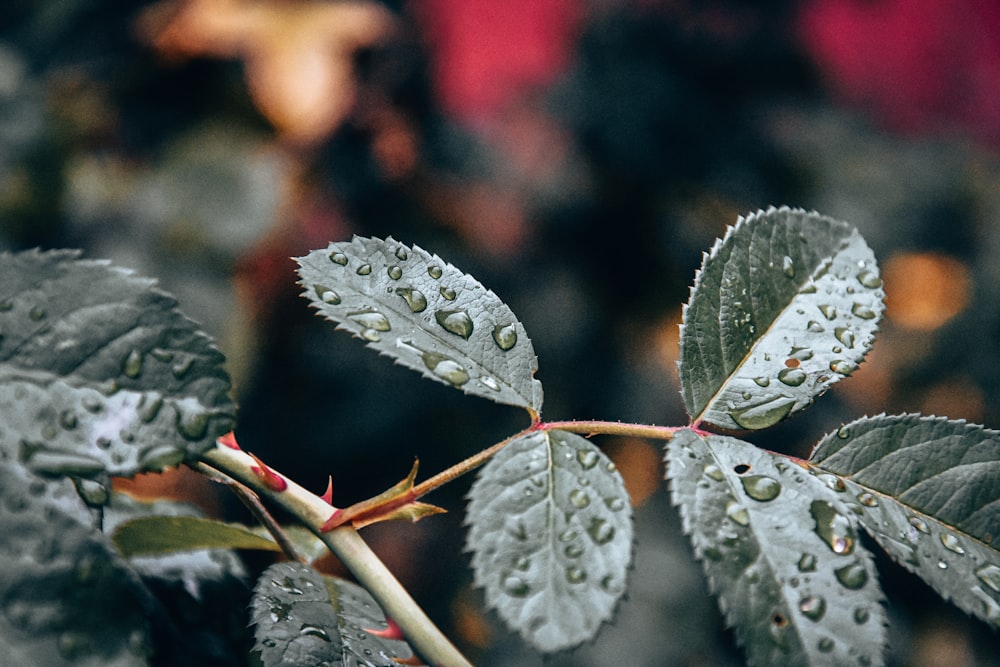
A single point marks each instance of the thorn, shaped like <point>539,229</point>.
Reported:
<point>412,660</point>
<point>328,494</point>
<point>271,479</point>
<point>334,521</point>
<point>229,440</point>
<point>391,632</point>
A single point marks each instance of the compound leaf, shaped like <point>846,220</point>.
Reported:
<point>427,315</point>
<point>66,597</point>
<point>780,550</point>
<point>928,490</point>
<point>306,619</point>
<point>784,306</point>
<point>551,531</point>
<point>99,371</point>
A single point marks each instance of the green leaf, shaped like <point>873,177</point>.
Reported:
<point>780,550</point>
<point>551,531</point>
<point>306,619</point>
<point>99,371</point>
<point>151,535</point>
<point>784,306</point>
<point>928,490</point>
<point>427,315</point>
<point>66,597</point>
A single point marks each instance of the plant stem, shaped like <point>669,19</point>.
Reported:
<point>612,428</point>
<point>344,541</point>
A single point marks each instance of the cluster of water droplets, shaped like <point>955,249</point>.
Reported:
<point>373,323</point>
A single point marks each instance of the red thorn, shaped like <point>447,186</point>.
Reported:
<point>333,521</point>
<point>412,660</point>
<point>328,494</point>
<point>391,632</point>
<point>271,479</point>
<point>229,440</point>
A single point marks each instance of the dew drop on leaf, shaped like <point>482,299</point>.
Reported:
<point>919,524</point>
<point>579,498</point>
<point>287,585</point>
<point>814,327</point>
<point>853,575</point>
<point>832,481</point>
<point>762,381</point>
<point>457,322</point>
<point>37,313</point>
<point>869,280</point>
<point>861,615</point>
<point>516,586</point>
<point>575,575</point>
<point>867,499</point>
<point>414,298</point>
<point>587,458</point>
<point>364,269</point>
<point>762,415</point>
<point>434,271</point>
<point>813,607</point>
<point>737,513</point>
<point>448,293</point>
<point>505,336</point>
<point>761,487</point>
<point>793,377</point>
<point>192,423</point>
<point>990,575</point>
<point>338,258</point>
<point>371,319</point>
<point>843,367</point>
<point>788,266</point>
<point>863,311</point>
<point>327,295</point>
<point>714,472</point>
<point>402,254</point>
<point>490,383</point>
<point>807,563</point>
<point>829,312</point>
<point>522,563</point>
<point>394,272</point>
<point>825,645</point>
<point>308,630</point>
<point>845,336</point>
<point>833,527</point>
<point>447,369</point>
<point>951,543</point>
<point>600,531</point>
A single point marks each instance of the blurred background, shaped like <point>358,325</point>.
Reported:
<point>577,156</point>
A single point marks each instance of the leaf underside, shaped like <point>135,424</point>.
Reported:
<point>152,535</point>
<point>304,619</point>
<point>784,306</point>
<point>929,493</point>
<point>551,531</point>
<point>780,550</point>
<point>100,373</point>
<point>427,315</point>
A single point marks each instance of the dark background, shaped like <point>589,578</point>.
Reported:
<point>577,157</point>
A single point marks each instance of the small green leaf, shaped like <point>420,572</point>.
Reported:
<point>784,306</point>
<point>99,372</point>
<point>306,619</point>
<point>427,315</point>
<point>781,551</point>
<point>66,597</point>
<point>152,535</point>
<point>928,490</point>
<point>551,531</point>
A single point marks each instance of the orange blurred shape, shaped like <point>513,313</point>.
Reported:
<point>957,398</point>
<point>180,484</point>
<point>298,54</point>
<point>925,289</point>
<point>470,623</point>
<point>640,465</point>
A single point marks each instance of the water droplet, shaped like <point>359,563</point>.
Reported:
<point>715,472</point>
<point>829,312</point>
<point>869,280</point>
<point>762,415</point>
<point>833,527</point>
<point>825,645</point>
<point>37,313</point>
<point>567,535</point>
<point>490,383</point>
<point>457,322</point>
<point>788,266</point>
<point>807,563</point>
<point>327,295</point>
<point>370,319</point>
<point>843,367</point>
<point>951,543</point>
<point>853,575</point>
<point>338,258</point>
<point>813,607</point>
<point>792,377</point>
<point>615,504</point>
<point>990,575</point>
<point>868,499</point>
<point>843,433</point>
<point>600,531</point>
<point>808,288</point>
<point>861,615</point>
<point>832,481</point>
<point>516,586</point>
<point>522,563</point>
<point>364,269</point>
<point>414,298</point>
<point>448,293</point>
<point>505,336</point>
<point>160,457</point>
<point>370,335</point>
<point>92,492</point>
<point>737,513</point>
<point>844,335</point>
<point>287,585</point>
<point>573,551</point>
<point>58,464</point>
<point>192,423</point>
<point>863,311</point>
<point>394,272</point>
<point>761,487</point>
<point>67,419</point>
<point>815,327</point>
<point>434,271</point>
<point>132,366</point>
<point>314,631</point>
<point>587,458</point>
<point>182,366</point>
<point>919,524</point>
<point>762,381</point>
<point>579,498</point>
<point>447,369</point>
<point>402,254</point>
